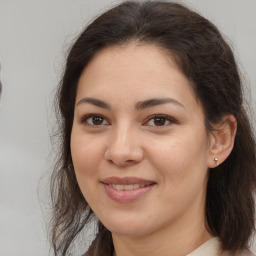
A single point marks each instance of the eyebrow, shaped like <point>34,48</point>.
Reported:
<point>157,101</point>
<point>96,102</point>
<point>139,106</point>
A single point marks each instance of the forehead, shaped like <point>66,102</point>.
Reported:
<point>134,51</point>
<point>120,71</point>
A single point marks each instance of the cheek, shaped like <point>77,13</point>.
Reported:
<point>86,155</point>
<point>181,159</point>
<point>182,169</point>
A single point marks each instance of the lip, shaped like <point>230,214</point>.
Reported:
<point>126,196</point>
<point>127,181</point>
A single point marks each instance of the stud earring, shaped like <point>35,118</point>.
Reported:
<point>216,160</point>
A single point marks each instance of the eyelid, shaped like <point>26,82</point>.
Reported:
<point>86,117</point>
<point>171,120</point>
<point>168,118</point>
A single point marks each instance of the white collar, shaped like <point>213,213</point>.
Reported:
<point>211,247</point>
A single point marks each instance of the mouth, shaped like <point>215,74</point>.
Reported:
<point>127,187</point>
<point>125,190</point>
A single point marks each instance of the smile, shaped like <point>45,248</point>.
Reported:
<point>127,187</point>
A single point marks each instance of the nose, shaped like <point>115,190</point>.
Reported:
<point>124,147</point>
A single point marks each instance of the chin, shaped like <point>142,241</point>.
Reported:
<point>126,228</point>
<point>127,232</point>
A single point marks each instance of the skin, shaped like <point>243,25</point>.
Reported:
<point>128,142</point>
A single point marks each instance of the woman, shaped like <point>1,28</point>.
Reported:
<point>155,139</point>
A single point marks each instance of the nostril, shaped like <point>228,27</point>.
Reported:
<point>121,163</point>
<point>122,155</point>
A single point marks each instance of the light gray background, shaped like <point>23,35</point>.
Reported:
<point>34,36</point>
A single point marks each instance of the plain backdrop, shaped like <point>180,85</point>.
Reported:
<point>34,37</point>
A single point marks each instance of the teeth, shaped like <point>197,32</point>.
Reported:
<point>135,186</point>
<point>127,187</point>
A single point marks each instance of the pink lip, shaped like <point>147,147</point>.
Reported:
<point>127,181</point>
<point>126,196</point>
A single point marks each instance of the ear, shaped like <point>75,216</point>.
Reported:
<point>222,140</point>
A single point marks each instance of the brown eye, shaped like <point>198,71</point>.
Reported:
<point>159,121</point>
<point>94,120</point>
<point>97,120</point>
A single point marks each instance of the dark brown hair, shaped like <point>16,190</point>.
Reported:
<point>207,61</point>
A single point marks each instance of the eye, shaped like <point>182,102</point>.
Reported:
<point>160,121</point>
<point>94,120</point>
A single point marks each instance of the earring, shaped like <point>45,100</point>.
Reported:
<point>216,160</point>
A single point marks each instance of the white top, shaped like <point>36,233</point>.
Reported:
<point>103,245</point>
<point>213,248</point>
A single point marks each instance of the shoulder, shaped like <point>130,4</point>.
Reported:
<point>213,247</point>
<point>245,253</point>
<point>240,253</point>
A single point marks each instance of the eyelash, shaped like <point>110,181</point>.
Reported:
<point>85,119</point>
<point>161,116</point>
<point>153,118</point>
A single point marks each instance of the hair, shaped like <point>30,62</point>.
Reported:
<point>204,57</point>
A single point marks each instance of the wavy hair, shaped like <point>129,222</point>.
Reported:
<point>205,58</point>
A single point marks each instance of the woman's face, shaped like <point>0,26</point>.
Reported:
<point>139,144</point>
